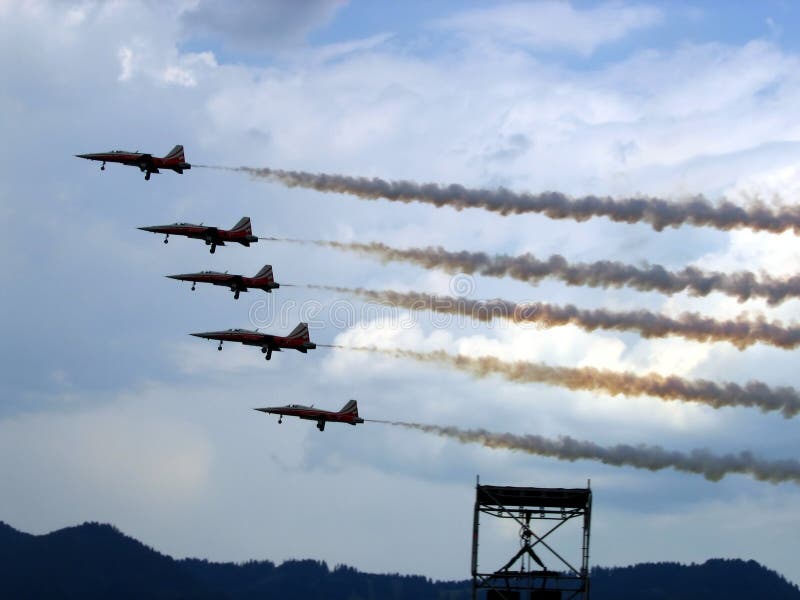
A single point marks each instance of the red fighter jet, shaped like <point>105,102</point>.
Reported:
<point>147,163</point>
<point>241,233</point>
<point>297,340</point>
<point>262,280</point>
<point>348,414</point>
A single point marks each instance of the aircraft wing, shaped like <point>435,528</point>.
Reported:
<point>307,413</point>
<point>265,341</point>
<point>213,232</point>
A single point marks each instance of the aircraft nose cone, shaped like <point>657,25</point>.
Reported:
<point>173,277</point>
<point>146,228</point>
<point>200,335</point>
<point>261,409</point>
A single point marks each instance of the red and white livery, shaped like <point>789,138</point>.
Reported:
<point>348,414</point>
<point>147,163</point>
<point>241,233</point>
<point>263,280</point>
<point>298,339</point>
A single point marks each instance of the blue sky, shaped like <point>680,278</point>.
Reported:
<point>112,412</point>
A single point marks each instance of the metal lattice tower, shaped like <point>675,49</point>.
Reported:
<point>552,508</point>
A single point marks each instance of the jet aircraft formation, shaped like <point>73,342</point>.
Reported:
<point>241,233</point>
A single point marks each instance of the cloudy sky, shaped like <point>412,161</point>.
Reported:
<point>110,412</point>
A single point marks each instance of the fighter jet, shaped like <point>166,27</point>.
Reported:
<point>147,163</point>
<point>297,340</point>
<point>240,233</point>
<point>348,413</point>
<point>262,280</point>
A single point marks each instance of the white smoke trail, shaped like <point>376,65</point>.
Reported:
<point>659,213</point>
<point>653,458</point>
<point>754,394</point>
<point>740,332</point>
<point>741,285</point>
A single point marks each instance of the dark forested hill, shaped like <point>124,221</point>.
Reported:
<point>89,561</point>
<point>716,578</point>
<point>98,561</point>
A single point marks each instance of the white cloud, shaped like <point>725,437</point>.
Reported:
<point>125,55</point>
<point>331,52</point>
<point>563,346</point>
<point>554,25</point>
<point>115,455</point>
<point>258,23</point>
<point>696,118</point>
<point>184,73</point>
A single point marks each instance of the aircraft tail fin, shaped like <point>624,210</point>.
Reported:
<point>351,408</point>
<point>266,271</point>
<point>243,225</point>
<point>176,154</point>
<point>301,331</point>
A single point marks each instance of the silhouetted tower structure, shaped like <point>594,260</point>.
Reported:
<point>525,576</point>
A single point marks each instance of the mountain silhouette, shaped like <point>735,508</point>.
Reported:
<point>89,561</point>
<point>732,579</point>
<point>98,561</point>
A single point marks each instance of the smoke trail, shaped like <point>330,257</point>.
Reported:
<point>654,458</point>
<point>754,394</point>
<point>742,285</point>
<point>657,212</point>
<point>740,332</point>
